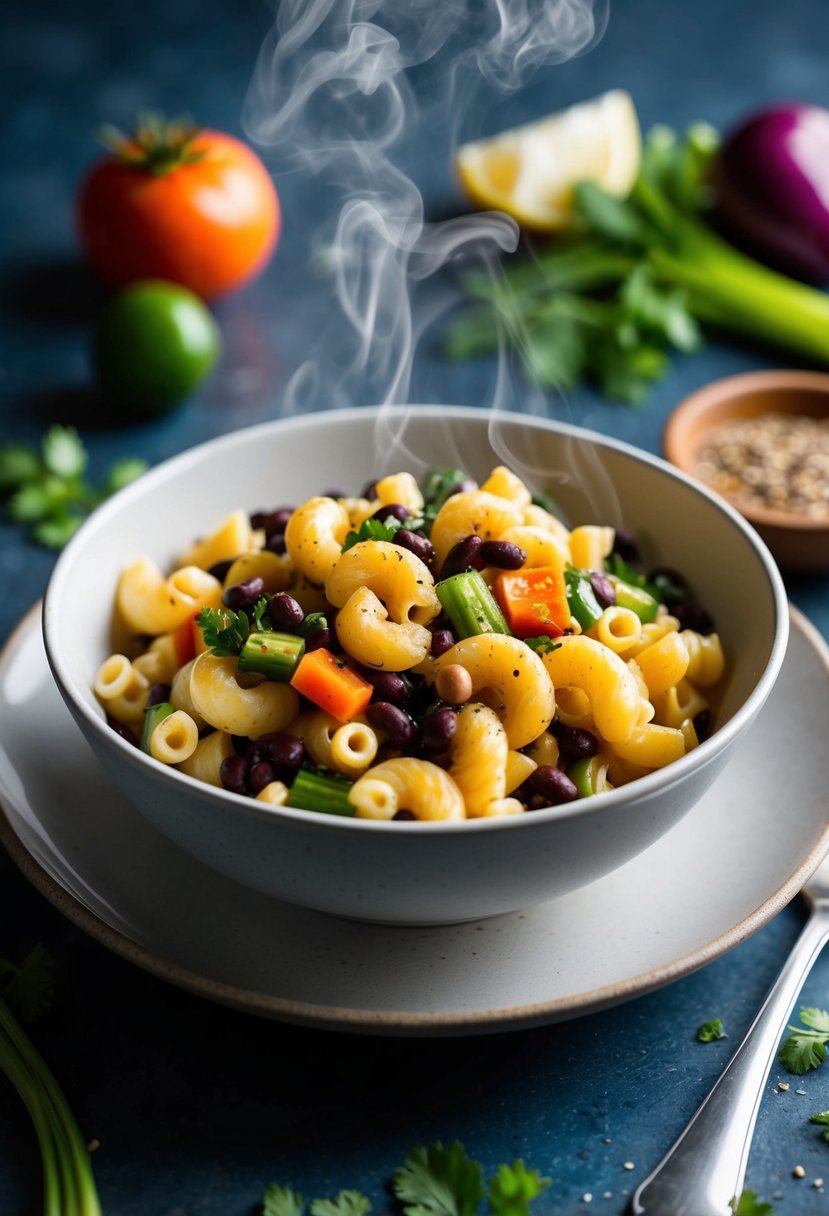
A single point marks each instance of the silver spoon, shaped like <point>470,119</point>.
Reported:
<point>705,1168</point>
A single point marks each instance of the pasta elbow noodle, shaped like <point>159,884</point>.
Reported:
<point>314,537</point>
<point>407,784</point>
<point>590,545</point>
<point>150,603</point>
<point>122,688</point>
<point>205,762</point>
<point>233,536</point>
<point>523,693</point>
<point>652,746</point>
<point>664,663</point>
<point>706,661</point>
<point>399,488</point>
<point>367,634</point>
<point>583,663</point>
<point>506,484</point>
<point>353,748</point>
<point>226,704</point>
<point>397,577</point>
<point>472,511</point>
<point>174,738</point>
<point>479,763</point>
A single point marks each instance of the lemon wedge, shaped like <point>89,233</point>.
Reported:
<point>529,172</point>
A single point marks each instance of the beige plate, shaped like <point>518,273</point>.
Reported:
<point>725,870</point>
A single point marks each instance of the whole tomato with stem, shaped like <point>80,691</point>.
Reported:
<point>175,202</point>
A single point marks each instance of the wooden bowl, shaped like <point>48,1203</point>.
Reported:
<point>798,542</point>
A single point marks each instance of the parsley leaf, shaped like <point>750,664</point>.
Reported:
<point>749,1205</point>
<point>346,1203</point>
<point>822,1117</point>
<point>513,1188</point>
<point>804,1050</point>
<point>438,1181</point>
<point>709,1031</point>
<point>47,492</point>
<point>373,529</point>
<point>28,986</point>
<point>226,631</point>
<point>281,1201</point>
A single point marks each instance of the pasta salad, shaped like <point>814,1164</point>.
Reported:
<point>440,650</point>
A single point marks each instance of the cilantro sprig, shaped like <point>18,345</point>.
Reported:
<point>804,1050</point>
<point>749,1205</point>
<point>225,631</point>
<point>47,491</point>
<point>434,1180</point>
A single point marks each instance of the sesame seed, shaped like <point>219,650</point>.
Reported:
<point>628,1165</point>
<point>784,1085</point>
<point>799,1171</point>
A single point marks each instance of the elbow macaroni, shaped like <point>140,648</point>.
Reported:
<point>635,686</point>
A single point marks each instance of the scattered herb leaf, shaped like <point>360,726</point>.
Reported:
<point>804,1050</point>
<point>281,1201</point>
<point>543,644</point>
<point>513,1188</point>
<point>749,1205</point>
<point>822,1117</point>
<point>709,1031</point>
<point>46,491</point>
<point>438,1181</point>
<point>373,529</point>
<point>346,1203</point>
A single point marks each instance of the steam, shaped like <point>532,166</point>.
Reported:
<point>342,92</point>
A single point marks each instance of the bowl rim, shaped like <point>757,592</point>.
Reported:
<point>729,389</point>
<point>290,817</point>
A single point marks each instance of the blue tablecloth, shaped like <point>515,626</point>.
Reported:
<point>198,1108</point>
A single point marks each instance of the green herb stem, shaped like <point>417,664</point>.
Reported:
<point>470,605</point>
<point>64,1152</point>
<point>37,1105</point>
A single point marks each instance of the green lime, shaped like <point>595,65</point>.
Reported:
<point>155,344</point>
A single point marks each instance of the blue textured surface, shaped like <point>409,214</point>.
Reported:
<point>198,1108</point>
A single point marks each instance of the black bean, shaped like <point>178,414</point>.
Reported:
<point>220,569</point>
<point>702,724</point>
<point>553,784</point>
<point>259,775</point>
<point>693,616</point>
<point>392,510</point>
<point>334,493</point>
<point>232,773</point>
<point>283,751</point>
<point>284,612</point>
<point>575,743</point>
<point>369,489</point>
<point>241,743</point>
<point>157,693</point>
<point>123,731</point>
<point>404,815</point>
<point>272,521</point>
<point>442,640</point>
<point>626,545</point>
<point>461,556</point>
<point>603,590</point>
<point>275,543</point>
<point>437,730</point>
<point>387,685</point>
<point>394,722</point>
<point>319,639</point>
<point>243,595</point>
<point>502,554</point>
<point>421,546</point>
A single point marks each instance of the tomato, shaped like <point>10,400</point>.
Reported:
<point>155,343</point>
<point>176,203</point>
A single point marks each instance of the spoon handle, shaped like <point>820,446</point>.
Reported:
<point>704,1170</point>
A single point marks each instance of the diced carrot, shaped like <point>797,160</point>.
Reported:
<point>533,601</point>
<point>329,683</point>
<point>184,640</point>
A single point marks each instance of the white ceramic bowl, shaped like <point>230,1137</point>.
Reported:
<point>402,872</point>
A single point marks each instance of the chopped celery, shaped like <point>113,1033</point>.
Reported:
<point>581,598</point>
<point>273,655</point>
<point>470,605</point>
<point>154,714</point>
<point>635,598</point>
<point>585,774</point>
<point>323,792</point>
